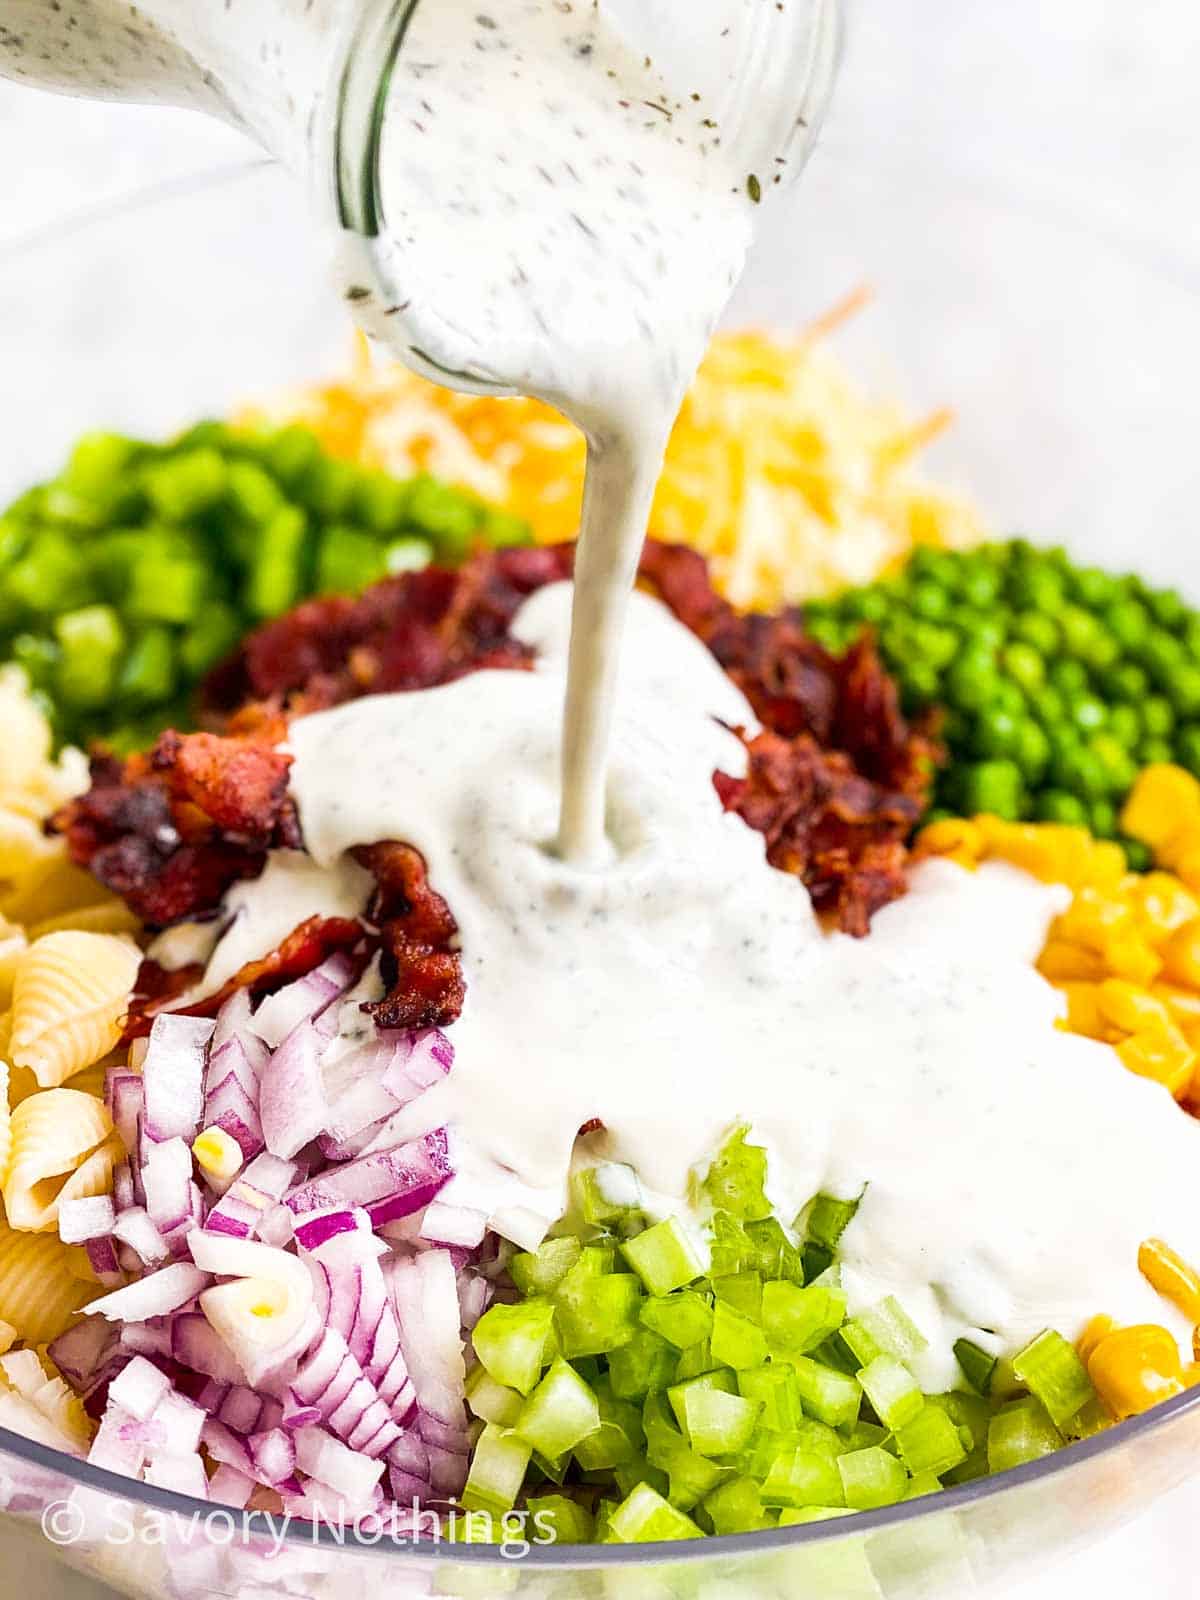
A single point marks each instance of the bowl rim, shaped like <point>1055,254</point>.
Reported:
<point>298,1533</point>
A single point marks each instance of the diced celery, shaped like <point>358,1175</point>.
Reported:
<point>557,1519</point>
<point>597,1315</point>
<point>560,1412</point>
<point>449,517</point>
<point>795,1516</point>
<point>210,638</point>
<point>185,484</point>
<point>498,1469</point>
<point>607,1193</point>
<point>1092,1418</point>
<point>796,1320</point>
<point>329,487</point>
<point>1050,1368</point>
<point>683,1318</point>
<point>965,1410</point>
<point>290,453</point>
<point>977,1365</point>
<point>691,1476</point>
<point>501,530</point>
<point>892,1390</point>
<point>382,502</point>
<point>629,1474</point>
<point>90,642</point>
<point>832,1397</point>
<point>724,1382</point>
<point>716,1423</point>
<point>803,1478</point>
<point>253,492</point>
<point>48,577</point>
<point>736,1179</point>
<point>772,1253</point>
<point>665,1256</point>
<point>736,1341</point>
<point>602,1533</point>
<point>861,1435</point>
<point>828,1219</point>
<point>541,1271</point>
<point>883,1329</point>
<point>871,1478</point>
<point>166,586</point>
<point>775,1388</point>
<point>921,1484</point>
<point>347,560</point>
<point>491,1400</point>
<point>742,1291</point>
<point>644,1517</point>
<point>275,575</point>
<point>643,1363</point>
<point>1020,1432</point>
<point>147,675</point>
<point>930,1442</point>
<point>697,1358</point>
<point>736,1507</point>
<point>548,1469</point>
<point>98,469</point>
<point>511,1342</point>
<point>620,1436</point>
<point>814,1259</point>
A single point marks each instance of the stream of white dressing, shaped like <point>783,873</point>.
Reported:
<point>1012,1169</point>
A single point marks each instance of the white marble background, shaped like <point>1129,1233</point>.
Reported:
<point>1020,182</point>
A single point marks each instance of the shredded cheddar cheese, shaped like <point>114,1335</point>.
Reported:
<point>789,478</point>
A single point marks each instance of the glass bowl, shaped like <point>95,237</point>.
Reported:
<point>1015,282</point>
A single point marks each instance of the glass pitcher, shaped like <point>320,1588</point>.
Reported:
<point>311,81</point>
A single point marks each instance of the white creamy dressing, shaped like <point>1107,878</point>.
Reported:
<point>1012,1169</point>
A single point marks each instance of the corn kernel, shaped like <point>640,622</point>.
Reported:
<point>951,836</point>
<point>1162,901</point>
<point>1129,1007</point>
<point>1107,865</point>
<point>218,1154</point>
<point>1092,919</point>
<point>1161,1054</point>
<point>1131,957</point>
<point>1097,1329</point>
<point>1182,1003</point>
<point>1181,955</point>
<point>1162,800</point>
<point>1083,1013</point>
<point>1063,962</point>
<point>1134,1368</point>
<point>1170,1274</point>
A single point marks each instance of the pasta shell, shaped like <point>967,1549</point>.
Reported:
<point>26,751</point>
<point>71,991</point>
<point>106,916</point>
<point>5,1120</point>
<point>47,884</point>
<point>13,945</point>
<point>63,1148</point>
<point>39,1296</point>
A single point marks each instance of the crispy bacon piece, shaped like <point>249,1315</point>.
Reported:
<point>303,949</point>
<point>421,965</point>
<point>412,632</point>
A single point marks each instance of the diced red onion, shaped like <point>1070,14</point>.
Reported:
<point>419,1061</point>
<point>155,1295</point>
<point>226,1447</point>
<point>182,1474</point>
<point>146,1338</point>
<point>126,1097</point>
<point>196,1344</point>
<point>274,1456</point>
<point>229,1487</point>
<point>139,1388</point>
<point>389,1184</point>
<point>337,1466</point>
<point>315,1229</point>
<point>302,1001</point>
<point>113,1449</point>
<point>173,1075</point>
<point>270,1175</point>
<point>81,1220</point>
<point>79,1353</point>
<point>425,1292</point>
<point>167,1181</point>
<point>233,1020</point>
<point>408,1490</point>
<point>135,1229</point>
<point>123,1189</point>
<point>183,1421</point>
<point>292,1102</point>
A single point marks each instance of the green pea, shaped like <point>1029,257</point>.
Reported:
<point>930,600</point>
<point>1167,608</point>
<point>1187,748</point>
<point>981,630</point>
<point>1034,628</point>
<point>1060,805</point>
<point>1038,588</point>
<point>971,681</point>
<point>1158,716</point>
<point>1033,750</point>
<point>1184,690</point>
<point>980,586</point>
<point>1125,725</point>
<point>1007,696</point>
<point>920,685</point>
<point>1102,819</point>
<point>1048,705</point>
<point>993,786</point>
<point>1117,762</point>
<point>1081,770</point>
<point>1162,655</point>
<point>1126,681</point>
<point>1152,750</point>
<point>1128,622</point>
<point>1068,676</point>
<point>1023,663</point>
<point>1087,712</point>
<point>997,733</point>
<point>1095,587</point>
